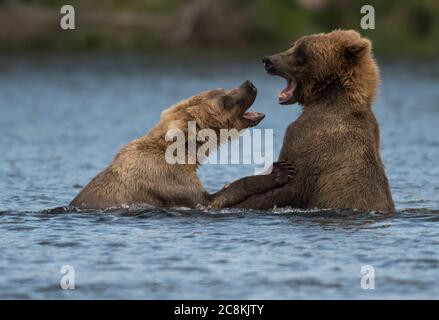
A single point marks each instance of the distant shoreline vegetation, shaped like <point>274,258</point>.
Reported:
<point>403,28</point>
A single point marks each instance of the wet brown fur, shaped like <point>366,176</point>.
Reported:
<point>140,174</point>
<point>335,143</point>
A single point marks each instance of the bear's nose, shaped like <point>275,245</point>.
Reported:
<point>248,85</point>
<point>268,63</point>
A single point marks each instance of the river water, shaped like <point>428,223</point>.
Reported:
<point>63,118</point>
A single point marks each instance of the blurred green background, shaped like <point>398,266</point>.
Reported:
<point>403,28</point>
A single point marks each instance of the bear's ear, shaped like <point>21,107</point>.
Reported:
<point>357,49</point>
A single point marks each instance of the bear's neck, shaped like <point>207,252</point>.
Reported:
<point>334,94</point>
<point>339,103</point>
<point>155,143</point>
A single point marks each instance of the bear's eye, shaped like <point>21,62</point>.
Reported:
<point>226,102</point>
<point>300,56</point>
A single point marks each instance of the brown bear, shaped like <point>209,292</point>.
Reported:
<point>140,173</point>
<point>335,143</point>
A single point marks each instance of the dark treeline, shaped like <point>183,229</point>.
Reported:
<point>402,27</point>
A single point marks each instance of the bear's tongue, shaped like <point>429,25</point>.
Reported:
<point>287,93</point>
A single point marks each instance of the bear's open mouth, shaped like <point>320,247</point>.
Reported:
<point>253,117</point>
<point>287,93</point>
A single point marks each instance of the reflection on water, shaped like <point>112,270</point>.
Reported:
<point>62,119</point>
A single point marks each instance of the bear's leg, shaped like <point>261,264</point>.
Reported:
<point>246,187</point>
<point>283,196</point>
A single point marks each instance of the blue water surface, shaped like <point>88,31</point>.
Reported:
<point>63,118</point>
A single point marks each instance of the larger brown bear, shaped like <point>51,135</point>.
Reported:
<point>335,143</point>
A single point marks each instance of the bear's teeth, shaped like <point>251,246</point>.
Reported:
<point>287,93</point>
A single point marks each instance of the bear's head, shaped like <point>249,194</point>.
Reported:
<point>320,67</point>
<point>215,109</point>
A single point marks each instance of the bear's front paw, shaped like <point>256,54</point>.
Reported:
<point>282,172</point>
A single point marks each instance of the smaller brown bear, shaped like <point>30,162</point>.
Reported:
<point>335,143</point>
<point>140,173</point>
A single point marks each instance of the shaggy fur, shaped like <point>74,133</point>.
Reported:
<point>140,174</point>
<point>335,143</point>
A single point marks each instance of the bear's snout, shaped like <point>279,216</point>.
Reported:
<point>248,86</point>
<point>268,63</point>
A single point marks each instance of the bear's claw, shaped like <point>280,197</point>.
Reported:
<point>282,171</point>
